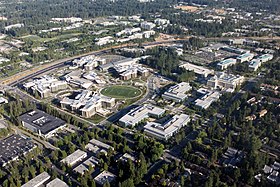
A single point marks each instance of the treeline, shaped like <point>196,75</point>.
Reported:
<point>167,62</point>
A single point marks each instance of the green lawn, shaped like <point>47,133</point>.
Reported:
<point>121,92</point>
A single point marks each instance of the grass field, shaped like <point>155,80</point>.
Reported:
<point>121,92</point>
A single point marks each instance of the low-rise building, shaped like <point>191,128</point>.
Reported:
<point>160,21</point>
<point>41,123</point>
<point>224,81</point>
<point>38,180</point>
<point>96,147</point>
<point>74,158</point>
<point>147,25</point>
<point>245,57</point>
<point>104,177</point>
<point>12,147</point>
<point>104,41</point>
<point>123,62</point>
<point>226,63</point>
<point>87,103</point>
<point>44,86</point>
<point>206,98</point>
<point>256,63</point>
<point>131,71</point>
<point>84,167</point>
<point>199,70</point>
<point>89,62</point>
<point>167,129</point>
<point>177,93</point>
<point>57,183</point>
<point>141,113</point>
<point>125,157</point>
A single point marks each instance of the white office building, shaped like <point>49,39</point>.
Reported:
<point>224,81</point>
<point>74,158</point>
<point>140,113</point>
<point>206,98</point>
<point>38,180</point>
<point>226,63</point>
<point>256,63</point>
<point>147,25</point>
<point>178,92</point>
<point>199,70</point>
<point>167,129</point>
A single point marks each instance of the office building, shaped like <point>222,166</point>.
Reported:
<point>89,62</point>
<point>246,57</point>
<point>84,167</point>
<point>224,81</point>
<point>41,123</point>
<point>177,93</point>
<point>206,98</point>
<point>167,129</point>
<point>44,86</point>
<point>13,147</point>
<point>147,25</point>
<point>87,103</point>
<point>104,41</point>
<point>226,63</point>
<point>104,177</point>
<point>141,113</point>
<point>96,147</point>
<point>38,180</point>
<point>160,21</point>
<point>256,63</point>
<point>199,70</point>
<point>131,71</point>
<point>123,62</point>
<point>74,158</point>
<point>57,183</point>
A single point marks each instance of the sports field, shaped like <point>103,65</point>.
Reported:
<point>121,92</point>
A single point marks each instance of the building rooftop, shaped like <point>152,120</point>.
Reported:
<point>42,121</point>
<point>74,157</point>
<point>168,128</point>
<point>14,146</point>
<point>197,69</point>
<point>141,112</point>
<point>57,183</point>
<point>207,98</point>
<point>38,180</point>
<point>177,92</point>
<point>92,161</point>
<point>103,177</point>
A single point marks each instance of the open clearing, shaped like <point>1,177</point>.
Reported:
<point>121,92</point>
<point>188,8</point>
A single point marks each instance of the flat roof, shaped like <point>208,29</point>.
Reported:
<point>141,112</point>
<point>14,146</point>
<point>167,128</point>
<point>92,161</point>
<point>72,158</point>
<point>103,177</point>
<point>197,69</point>
<point>42,121</point>
<point>178,91</point>
<point>57,183</point>
<point>38,180</point>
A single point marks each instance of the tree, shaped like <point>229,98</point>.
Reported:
<point>127,183</point>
